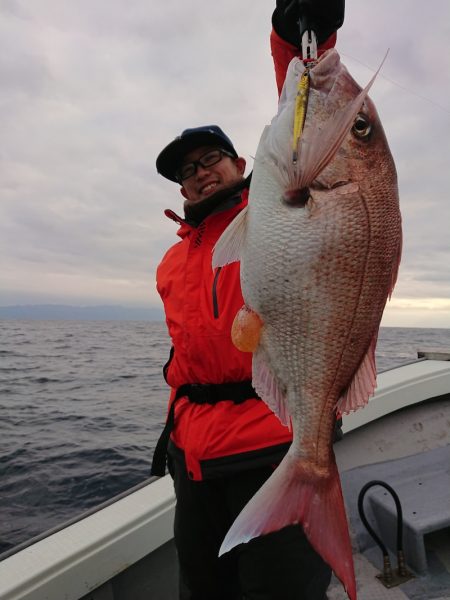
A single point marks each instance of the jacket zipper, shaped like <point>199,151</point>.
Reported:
<point>214,294</point>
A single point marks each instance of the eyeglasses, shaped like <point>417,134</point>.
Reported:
<point>207,160</point>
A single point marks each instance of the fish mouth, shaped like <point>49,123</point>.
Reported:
<point>319,185</point>
<point>298,198</point>
<point>339,188</point>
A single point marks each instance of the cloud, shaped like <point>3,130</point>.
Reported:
<point>91,91</point>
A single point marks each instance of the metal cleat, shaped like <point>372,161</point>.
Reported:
<point>309,47</point>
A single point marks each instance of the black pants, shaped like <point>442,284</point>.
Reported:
<point>278,566</point>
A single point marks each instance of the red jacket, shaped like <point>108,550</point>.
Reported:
<point>200,306</point>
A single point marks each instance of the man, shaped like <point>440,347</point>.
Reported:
<point>224,441</point>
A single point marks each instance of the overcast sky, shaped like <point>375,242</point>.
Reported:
<point>91,90</point>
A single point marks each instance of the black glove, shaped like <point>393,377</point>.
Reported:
<point>292,17</point>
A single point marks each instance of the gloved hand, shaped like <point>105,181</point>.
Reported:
<point>292,17</point>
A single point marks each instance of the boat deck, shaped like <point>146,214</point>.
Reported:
<point>409,445</point>
<point>125,550</point>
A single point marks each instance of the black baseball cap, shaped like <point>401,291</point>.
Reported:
<point>169,159</point>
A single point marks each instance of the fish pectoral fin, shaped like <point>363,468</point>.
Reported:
<point>268,387</point>
<point>294,495</point>
<point>228,248</point>
<point>363,383</point>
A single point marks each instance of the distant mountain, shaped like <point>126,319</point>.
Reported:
<point>80,313</point>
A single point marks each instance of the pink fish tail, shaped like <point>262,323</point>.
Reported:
<point>295,494</point>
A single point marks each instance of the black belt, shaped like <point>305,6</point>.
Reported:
<point>199,393</point>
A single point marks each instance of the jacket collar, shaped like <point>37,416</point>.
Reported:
<point>186,228</point>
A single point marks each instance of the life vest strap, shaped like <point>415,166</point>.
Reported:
<point>199,393</point>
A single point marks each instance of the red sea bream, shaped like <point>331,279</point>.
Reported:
<point>320,246</point>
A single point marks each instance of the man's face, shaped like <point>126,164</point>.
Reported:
<point>210,180</point>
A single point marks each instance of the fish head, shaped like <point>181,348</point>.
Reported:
<point>354,143</point>
<point>341,141</point>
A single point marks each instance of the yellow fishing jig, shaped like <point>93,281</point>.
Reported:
<point>301,102</point>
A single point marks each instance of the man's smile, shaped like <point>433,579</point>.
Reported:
<point>208,188</point>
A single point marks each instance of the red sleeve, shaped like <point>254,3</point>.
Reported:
<point>283,52</point>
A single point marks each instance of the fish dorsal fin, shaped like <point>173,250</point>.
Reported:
<point>396,266</point>
<point>267,386</point>
<point>228,248</point>
<point>363,383</point>
<point>318,145</point>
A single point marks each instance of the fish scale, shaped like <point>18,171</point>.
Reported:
<point>319,246</point>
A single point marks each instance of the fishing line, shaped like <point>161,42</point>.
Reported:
<point>398,84</point>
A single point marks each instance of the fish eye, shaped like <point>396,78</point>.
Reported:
<point>361,126</point>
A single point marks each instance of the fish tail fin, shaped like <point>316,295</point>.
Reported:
<point>295,494</point>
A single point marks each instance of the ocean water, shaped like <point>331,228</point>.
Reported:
<point>82,405</point>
